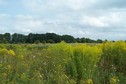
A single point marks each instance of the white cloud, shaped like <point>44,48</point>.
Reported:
<point>40,6</point>
<point>94,21</point>
<point>80,18</point>
<point>105,26</point>
<point>27,23</point>
<point>110,19</point>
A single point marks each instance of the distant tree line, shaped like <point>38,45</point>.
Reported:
<point>43,38</point>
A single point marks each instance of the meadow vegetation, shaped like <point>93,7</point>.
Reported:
<point>63,63</point>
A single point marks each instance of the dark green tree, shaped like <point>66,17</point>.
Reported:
<point>68,38</point>
<point>2,39</point>
<point>99,41</point>
<point>18,38</point>
<point>7,36</point>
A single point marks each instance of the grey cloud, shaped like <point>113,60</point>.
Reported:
<point>109,4</point>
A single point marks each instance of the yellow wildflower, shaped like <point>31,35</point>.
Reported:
<point>11,52</point>
<point>89,81</point>
<point>113,80</point>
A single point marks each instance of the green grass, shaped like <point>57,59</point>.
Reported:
<point>63,63</point>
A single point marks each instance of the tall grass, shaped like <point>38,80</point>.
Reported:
<point>63,64</point>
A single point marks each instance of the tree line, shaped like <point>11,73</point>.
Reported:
<point>43,38</point>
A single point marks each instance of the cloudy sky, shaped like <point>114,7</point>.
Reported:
<point>103,19</point>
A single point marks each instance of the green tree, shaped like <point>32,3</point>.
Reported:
<point>7,36</point>
<point>2,39</point>
<point>18,38</point>
<point>68,38</point>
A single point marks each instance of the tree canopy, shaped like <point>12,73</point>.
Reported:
<point>43,38</point>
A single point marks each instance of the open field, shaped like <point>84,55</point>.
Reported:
<point>63,63</point>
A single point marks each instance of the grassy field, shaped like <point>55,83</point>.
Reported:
<point>63,63</point>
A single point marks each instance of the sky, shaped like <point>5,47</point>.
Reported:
<point>95,19</point>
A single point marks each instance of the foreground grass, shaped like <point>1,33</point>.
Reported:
<point>63,64</point>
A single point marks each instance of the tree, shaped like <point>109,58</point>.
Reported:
<point>83,40</point>
<point>30,38</point>
<point>52,36</point>
<point>78,40</point>
<point>50,41</point>
<point>68,38</point>
<point>18,38</point>
<point>37,42</point>
<point>7,36</point>
<point>99,41</point>
<point>43,38</point>
<point>2,39</point>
